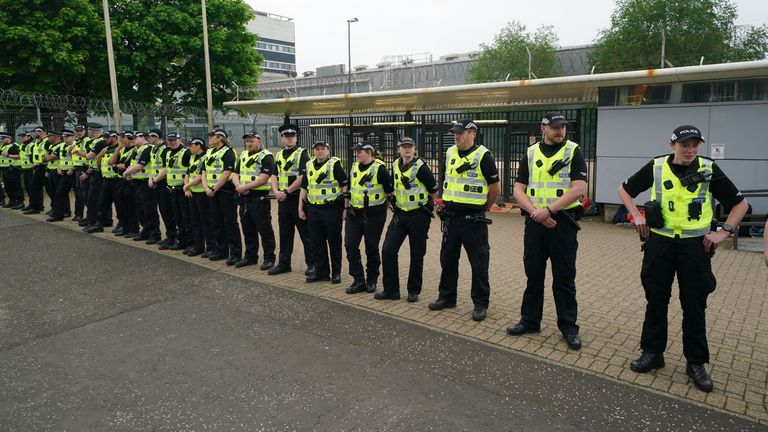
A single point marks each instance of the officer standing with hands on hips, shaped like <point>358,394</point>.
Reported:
<point>286,183</point>
<point>252,180</point>
<point>415,192</point>
<point>550,183</point>
<point>323,187</point>
<point>470,187</point>
<point>677,226</point>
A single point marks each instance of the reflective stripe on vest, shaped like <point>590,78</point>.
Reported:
<point>146,169</point>
<point>293,167</point>
<point>413,197</point>
<point>322,186</point>
<point>18,163</point>
<point>371,188</point>
<point>39,151</point>
<point>175,169</point>
<point>467,187</point>
<point>156,161</point>
<point>675,200</point>
<point>25,152</point>
<point>543,189</point>
<point>93,164</point>
<point>194,166</point>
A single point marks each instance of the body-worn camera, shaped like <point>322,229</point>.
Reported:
<point>466,166</point>
<point>557,166</point>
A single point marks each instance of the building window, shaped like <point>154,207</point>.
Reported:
<point>695,92</point>
<point>265,46</point>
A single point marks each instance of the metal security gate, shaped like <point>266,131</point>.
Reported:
<point>506,134</point>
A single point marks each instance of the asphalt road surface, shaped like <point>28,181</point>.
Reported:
<point>97,336</point>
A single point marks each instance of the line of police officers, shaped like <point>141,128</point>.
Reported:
<point>201,190</point>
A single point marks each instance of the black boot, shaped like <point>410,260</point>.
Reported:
<point>700,377</point>
<point>647,362</point>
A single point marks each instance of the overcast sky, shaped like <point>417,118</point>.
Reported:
<point>399,27</point>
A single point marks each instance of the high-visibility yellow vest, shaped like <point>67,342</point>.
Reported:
<point>675,200</point>
<point>108,171</point>
<point>64,161</point>
<point>543,189</point>
<point>126,155</point>
<point>54,164</point>
<point>146,169</point>
<point>287,167</point>
<point>157,161</point>
<point>26,150</point>
<point>322,185</point>
<point>468,186</point>
<point>5,162</point>
<point>370,187</point>
<point>39,151</point>
<point>93,164</point>
<point>77,160</point>
<point>175,168</point>
<point>250,167</point>
<point>18,163</point>
<point>214,167</point>
<point>415,196</point>
<point>194,167</point>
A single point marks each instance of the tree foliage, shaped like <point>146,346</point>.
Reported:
<point>59,47</point>
<point>692,30</point>
<point>507,58</point>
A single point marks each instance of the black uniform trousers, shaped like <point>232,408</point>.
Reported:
<point>474,237</point>
<point>165,204</point>
<point>226,230</point>
<point>181,211</point>
<point>415,226</point>
<point>106,199</point>
<point>81,191</point>
<point>664,257</point>
<point>95,183</point>
<point>51,183</point>
<point>148,217</point>
<point>12,180</point>
<point>324,223</point>
<point>120,201</point>
<point>200,225</point>
<point>559,245</point>
<point>129,206</point>
<point>256,219</point>
<point>36,188</point>
<point>27,178</point>
<point>64,185</point>
<point>369,227</point>
<point>2,184</point>
<point>289,222</point>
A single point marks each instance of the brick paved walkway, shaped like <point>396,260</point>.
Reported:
<point>611,305</point>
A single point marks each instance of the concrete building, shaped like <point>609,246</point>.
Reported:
<point>277,43</point>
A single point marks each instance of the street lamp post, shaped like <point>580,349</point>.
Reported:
<point>349,52</point>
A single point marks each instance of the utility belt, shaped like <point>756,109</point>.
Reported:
<point>255,198</point>
<point>655,219</point>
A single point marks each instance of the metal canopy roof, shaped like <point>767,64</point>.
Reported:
<point>579,89</point>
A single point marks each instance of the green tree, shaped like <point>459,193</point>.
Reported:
<point>159,50</point>
<point>691,29</point>
<point>507,55</point>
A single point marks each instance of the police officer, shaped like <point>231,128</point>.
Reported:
<point>252,180</point>
<point>470,187</point>
<point>550,183</point>
<point>322,205</point>
<point>126,202</point>
<point>40,148</point>
<point>139,172</point>
<point>202,237</point>
<point>369,189</point>
<point>10,153</point>
<point>415,192</point>
<point>66,176</point>
<point>174,169</point>
<point>81,166</point>
<point>285,185</point>
<point>26,149</point>
<point>109,179</point>
<point>92,175</point>
<point>219,164</point>
<point>160,153</point>
<point>51,167</point>
<point>680,242</point>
